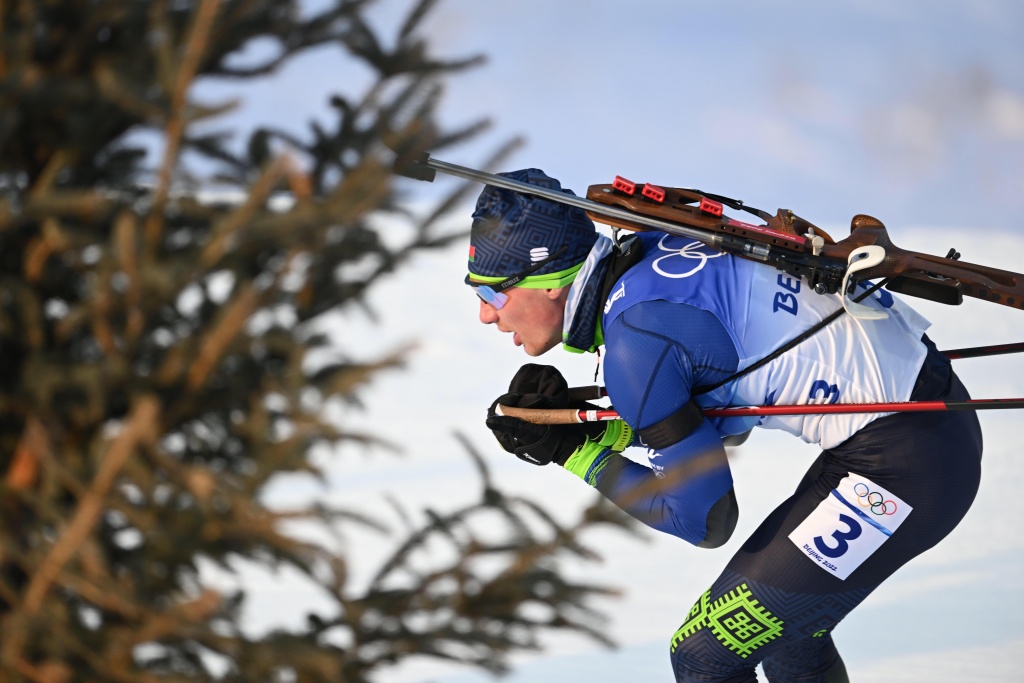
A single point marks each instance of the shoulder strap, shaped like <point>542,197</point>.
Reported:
<point>627,254</point>
<point>803,336</point>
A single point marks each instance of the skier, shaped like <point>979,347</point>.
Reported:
<point>679,322</point>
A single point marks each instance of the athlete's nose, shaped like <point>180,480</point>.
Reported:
<point>488,314</point>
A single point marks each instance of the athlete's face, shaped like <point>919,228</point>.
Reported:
<point>533,316</point>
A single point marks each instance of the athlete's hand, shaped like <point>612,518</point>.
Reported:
<point>539,386</point>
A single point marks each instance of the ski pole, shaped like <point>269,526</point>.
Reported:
<point>574,416</point>
<point>981,351</point>
<point>595,392</point>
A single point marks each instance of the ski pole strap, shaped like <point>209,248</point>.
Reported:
<point>588,393</point>
<point>617,436</point>
<point>587,461</point>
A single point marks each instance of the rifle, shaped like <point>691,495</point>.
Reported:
<point>790,244</point>
<point>786,241</point>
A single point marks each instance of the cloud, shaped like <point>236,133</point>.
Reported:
<point>938,113</point>
<point>1005,113</point>
<point>744,131</point>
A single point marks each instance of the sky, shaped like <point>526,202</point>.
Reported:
<point>912,112</point>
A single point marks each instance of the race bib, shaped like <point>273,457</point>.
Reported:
<point>855,519</point>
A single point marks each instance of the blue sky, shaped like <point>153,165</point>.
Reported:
<point>910,111</point>
<point>913,111</point>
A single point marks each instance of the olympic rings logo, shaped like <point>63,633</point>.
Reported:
<point>689,251</point>
<point>873,500</point>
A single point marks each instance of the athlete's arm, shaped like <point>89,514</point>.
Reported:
<point>655,352</point>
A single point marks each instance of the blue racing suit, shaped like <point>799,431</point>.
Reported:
<point>885,488</point>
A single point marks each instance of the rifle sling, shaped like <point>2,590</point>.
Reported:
<point>803,336</point>
<point>689,417</point>
<point>627,254</point>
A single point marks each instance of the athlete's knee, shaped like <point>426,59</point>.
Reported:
<point>811,660</point>
<point>837,672</point>
<point>720,638</point>
<point>690,666</point>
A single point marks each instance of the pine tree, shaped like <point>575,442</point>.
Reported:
<point>155,356</point>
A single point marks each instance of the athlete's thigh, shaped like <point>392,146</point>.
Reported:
<point>769,594</point>
<point>774,592</point>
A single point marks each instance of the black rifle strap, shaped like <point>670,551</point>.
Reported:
<point>684,421</point>
<point>626,254</point>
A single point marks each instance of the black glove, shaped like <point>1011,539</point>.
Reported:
<point>540,386</point>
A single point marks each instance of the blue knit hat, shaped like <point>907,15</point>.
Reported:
<point>512,231</point>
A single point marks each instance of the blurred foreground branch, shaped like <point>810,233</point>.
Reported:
<point>165,355</point>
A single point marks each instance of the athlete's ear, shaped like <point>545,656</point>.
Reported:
<point>554,293</point>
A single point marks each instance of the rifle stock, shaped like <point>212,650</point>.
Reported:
<point>941,279</point>
<point>933,277</point>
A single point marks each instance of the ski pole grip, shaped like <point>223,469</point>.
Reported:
<point>540,416</point>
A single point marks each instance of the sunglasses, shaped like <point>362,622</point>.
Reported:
<point>493,293</point>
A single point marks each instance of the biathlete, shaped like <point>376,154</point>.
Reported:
<point>679,322</point>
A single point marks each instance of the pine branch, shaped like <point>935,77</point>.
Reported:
<point>167,360</point>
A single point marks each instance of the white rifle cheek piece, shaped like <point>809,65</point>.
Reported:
<point>860,259</point>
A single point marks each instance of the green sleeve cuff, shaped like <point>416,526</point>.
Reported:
<point>617,436</point>
<point>587,461</point>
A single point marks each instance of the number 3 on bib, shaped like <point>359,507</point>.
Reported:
<point>846,528</point>
<point>841,537</point>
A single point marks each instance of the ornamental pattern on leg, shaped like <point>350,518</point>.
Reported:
<point>737,620</point>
